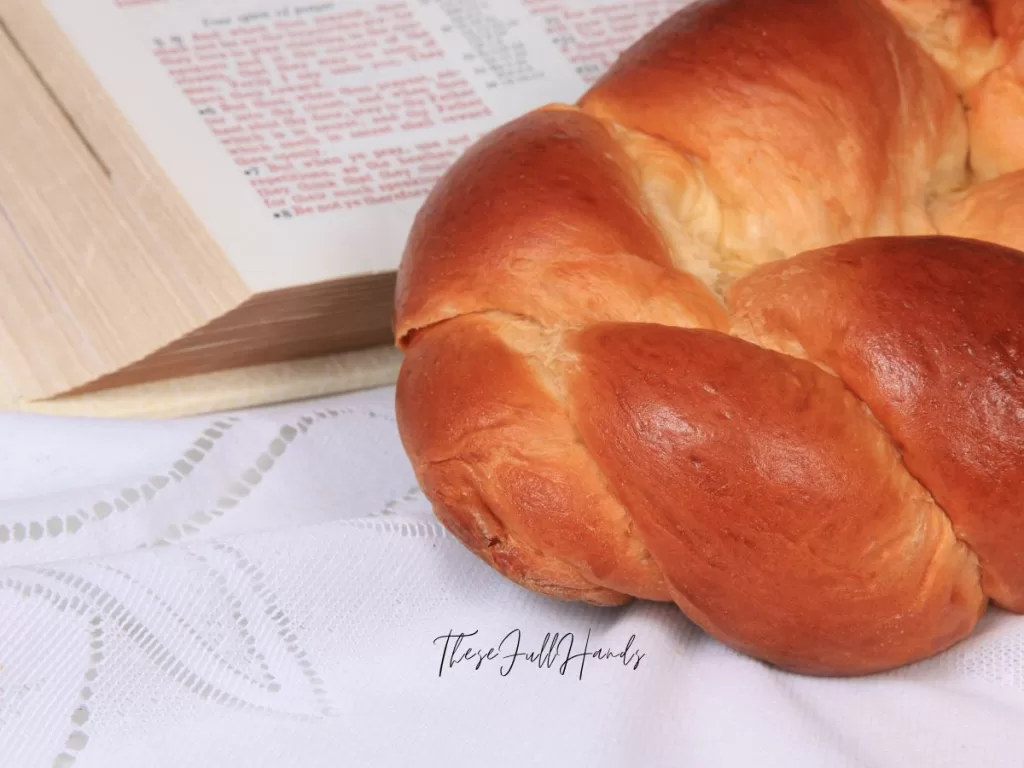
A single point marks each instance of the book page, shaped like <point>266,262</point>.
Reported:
<point>307,134</point>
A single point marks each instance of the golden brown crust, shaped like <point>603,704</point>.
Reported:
<point>778,510</point>
<point>575,400</point>
<point>542,218</point>
<point>929,332</point>
<point>995,106</point>
<point>958,34</point>
<point>495,451</point>
<point>1007,21</point>
<point>992,211</point>
<point>800,148</point>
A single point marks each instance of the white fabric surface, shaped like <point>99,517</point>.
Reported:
<point>264,589</point>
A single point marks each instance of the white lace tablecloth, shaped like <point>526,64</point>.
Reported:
<point>267,588</point>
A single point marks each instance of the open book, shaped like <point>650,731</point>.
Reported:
<point>204,201</point>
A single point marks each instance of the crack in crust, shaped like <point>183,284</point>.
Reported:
<point>632,372</point>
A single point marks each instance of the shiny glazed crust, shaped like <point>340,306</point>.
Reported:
<point>743,330</point>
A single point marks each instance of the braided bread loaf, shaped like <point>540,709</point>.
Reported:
<point>743,329</point>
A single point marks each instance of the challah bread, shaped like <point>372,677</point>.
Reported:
<point>796,147</point>
<point>743,330</point>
